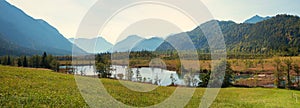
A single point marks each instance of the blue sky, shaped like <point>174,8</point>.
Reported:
<point>66,15</point>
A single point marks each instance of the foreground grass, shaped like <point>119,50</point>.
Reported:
<point>20,87</point>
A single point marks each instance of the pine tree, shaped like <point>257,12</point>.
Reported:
<point>45,62</point>
<point>25,63</point>
<point>8,60</point>
<point>277,66</point>
<point>19,62</point>
<point>296,69</point>
<point>288,63</point>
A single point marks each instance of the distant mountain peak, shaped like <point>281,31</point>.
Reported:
<point>256,19</point>
<point>134,37</point>
<point>155,38</point>
<point>92,45</point>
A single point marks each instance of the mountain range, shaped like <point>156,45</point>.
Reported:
<point>94,45</point>
<point>131,43</point>
<point>23,35</point>
<point>277,35</point>
<point>271,35</point>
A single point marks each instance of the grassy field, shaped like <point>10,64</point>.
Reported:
<point>21,87</point>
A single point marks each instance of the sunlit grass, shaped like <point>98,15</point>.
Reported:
<point>21,87</point>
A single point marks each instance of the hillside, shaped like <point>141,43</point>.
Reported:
<point>277,35</point>
<point>25,87</point>
<point>31,34</point>
<point>9,48</point>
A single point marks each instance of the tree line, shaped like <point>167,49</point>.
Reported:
<point>35,61</point>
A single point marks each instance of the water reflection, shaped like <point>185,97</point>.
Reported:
<point>155,76</point>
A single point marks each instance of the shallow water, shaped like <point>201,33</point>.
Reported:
<point>147,74</point>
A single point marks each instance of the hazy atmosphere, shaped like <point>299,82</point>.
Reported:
<point>157,53</point>
<point>66,15</point>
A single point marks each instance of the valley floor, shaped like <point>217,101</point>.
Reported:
<point>25,87</point>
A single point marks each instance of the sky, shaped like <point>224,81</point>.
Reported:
<point>66,15</point>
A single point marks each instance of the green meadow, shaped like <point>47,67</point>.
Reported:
<point>28,87</point>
